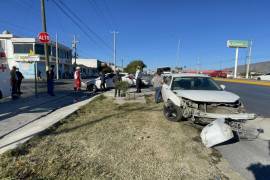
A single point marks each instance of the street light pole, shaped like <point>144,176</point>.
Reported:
<point>114,49</point>
<point>249,60</point>
<point>44,29</point>
<point>236,63</point>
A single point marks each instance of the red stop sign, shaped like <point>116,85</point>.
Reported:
<point>44,37</point>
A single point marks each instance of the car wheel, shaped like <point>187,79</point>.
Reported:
<point>1,95</point>
<point>95,89</point>
<point>258,78</point>
<point>172,112</point>
<point>92,88</point>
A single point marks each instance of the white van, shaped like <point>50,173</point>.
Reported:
<point>4,75</point>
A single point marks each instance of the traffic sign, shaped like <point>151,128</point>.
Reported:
<point>44,37</point>
<point>237,44</point>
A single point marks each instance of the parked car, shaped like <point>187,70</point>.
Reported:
<point>94,84</point>
<point>128,78</point>
<point>265,77</point>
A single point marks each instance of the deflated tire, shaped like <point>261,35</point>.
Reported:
<point>172,112</point>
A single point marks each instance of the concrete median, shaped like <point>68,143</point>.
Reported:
<point>245,81</point>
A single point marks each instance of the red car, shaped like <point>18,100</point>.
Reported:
<point>220,74</point>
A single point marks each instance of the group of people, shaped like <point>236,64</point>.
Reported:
<point>16,78</point>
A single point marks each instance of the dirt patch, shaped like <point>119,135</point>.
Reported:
<point>104,140</point>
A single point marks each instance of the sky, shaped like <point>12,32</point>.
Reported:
<point>149,30</point>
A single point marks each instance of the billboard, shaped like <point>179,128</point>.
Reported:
<point>237,44</point>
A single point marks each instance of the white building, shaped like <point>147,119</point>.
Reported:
<point>92,63</point>
<point>22,52</point>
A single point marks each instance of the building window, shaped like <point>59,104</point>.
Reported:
<point>39,49</point>
<point>23,48</point>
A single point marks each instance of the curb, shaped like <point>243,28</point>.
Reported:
<point>25,133</point>
<point>244,81</point>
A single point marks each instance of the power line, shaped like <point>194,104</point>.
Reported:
<point>100,13</point>
<point>66,13</point>
<point>88,28</point>
<point>110,14</point>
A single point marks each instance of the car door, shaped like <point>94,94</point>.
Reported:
<point>109,81</point>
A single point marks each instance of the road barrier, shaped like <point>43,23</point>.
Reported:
<point>245,81</point>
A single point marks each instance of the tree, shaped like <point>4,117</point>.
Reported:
<point>106,69</point>
<point>132,66</point>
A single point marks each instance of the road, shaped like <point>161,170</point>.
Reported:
<point>250,158</point>
<point>255,98</point>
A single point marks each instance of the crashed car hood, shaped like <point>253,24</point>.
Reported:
<point>208,96</point>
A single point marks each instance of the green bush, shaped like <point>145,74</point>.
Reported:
<point>123,86</point>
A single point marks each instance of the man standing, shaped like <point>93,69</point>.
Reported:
<point>157,82</point>
<point>103,81</point>
<point>50,80</point>
<point>117,79</point>
<point>13,82</point>
<point>77,79</point>
<point>138,78</point>
<point>19,80</point>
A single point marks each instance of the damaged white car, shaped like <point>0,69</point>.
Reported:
<point>199,98</point>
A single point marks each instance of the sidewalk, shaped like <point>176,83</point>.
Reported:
<point>15,114</point>
<point>36,123</point>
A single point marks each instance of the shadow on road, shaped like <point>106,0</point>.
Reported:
<point>259,170</point>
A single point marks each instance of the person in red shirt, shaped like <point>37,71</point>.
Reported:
<point>77,79</point>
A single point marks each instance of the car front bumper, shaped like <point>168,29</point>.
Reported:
<point>240,116</point>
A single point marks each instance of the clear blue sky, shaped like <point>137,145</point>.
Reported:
<point>150,29</point>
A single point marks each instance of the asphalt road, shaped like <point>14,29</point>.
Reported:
<point>255,98</point>
<point>250,158</point>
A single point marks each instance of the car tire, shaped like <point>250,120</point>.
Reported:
<point>258,78</point>
<point>1,95</point>
<point>172,112</point>
<point>92,88</point>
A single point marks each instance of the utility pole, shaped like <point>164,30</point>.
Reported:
<point>44,29</point>
<point>56,59</point>
<point>123,64</point>
<point>74,46</point>
<point>114,49</point>
<point>249,60</point>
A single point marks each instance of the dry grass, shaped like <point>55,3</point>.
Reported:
<point>108,141</point>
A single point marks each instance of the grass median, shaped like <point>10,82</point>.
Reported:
<point>104,140</point>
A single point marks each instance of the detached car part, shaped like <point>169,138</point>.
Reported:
<point>216,132</point>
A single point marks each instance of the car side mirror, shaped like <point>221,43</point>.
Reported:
<point>222,86</point>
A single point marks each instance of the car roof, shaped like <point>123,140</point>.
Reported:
<point>189,75</point>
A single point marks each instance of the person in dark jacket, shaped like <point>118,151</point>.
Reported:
<point>13,82</point>
<point>138,77</point>
<point>50,81</point>
<point>19,80</point>
<point>117,79</point>
<point>103,81</point>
